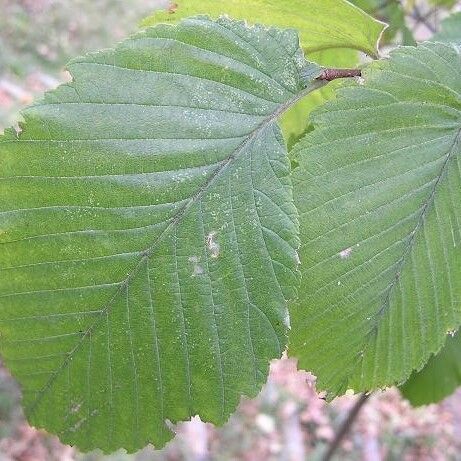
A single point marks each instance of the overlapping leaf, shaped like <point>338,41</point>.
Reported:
<point>440,376</point>
<point>379,196</point>
<point>321,24</point>
<point>146,208</point>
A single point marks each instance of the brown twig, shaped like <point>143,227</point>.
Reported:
<point>333,74</point>
<point>345,427</point>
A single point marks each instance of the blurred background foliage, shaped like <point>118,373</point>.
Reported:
<point>289,421</point>
<point>47,33</point>
<point>38,37</point>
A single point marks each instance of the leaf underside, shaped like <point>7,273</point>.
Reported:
<point>378,191</point>
<point>146,209</point>
<point>440,376</point>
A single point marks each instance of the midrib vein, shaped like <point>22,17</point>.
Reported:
<point>315,84</point>
<point>419,224</point>
<point>388,293</point>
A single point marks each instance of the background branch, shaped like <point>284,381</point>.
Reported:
<point>345,426</point>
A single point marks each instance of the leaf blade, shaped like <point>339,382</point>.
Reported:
<point>377,193</point>
<point>132,207</point>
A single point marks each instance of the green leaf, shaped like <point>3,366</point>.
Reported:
<point>378,190</point>
<point>439,378</point>
<point>321,24</point>
<point>146,209</point>
<point>450,30</point>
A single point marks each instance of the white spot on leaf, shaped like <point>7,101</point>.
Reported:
<point>197,269</point>
<point>78,425</point>
<point>345,253</point>
<point>212,245</point>
<point>298,260</point>
<point>75,408</point>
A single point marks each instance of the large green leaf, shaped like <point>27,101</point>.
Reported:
<point>321,24</point>
<point>440,376</point>
<point>379,196</point>
<point>146,209</point>
<point>450,30</point>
